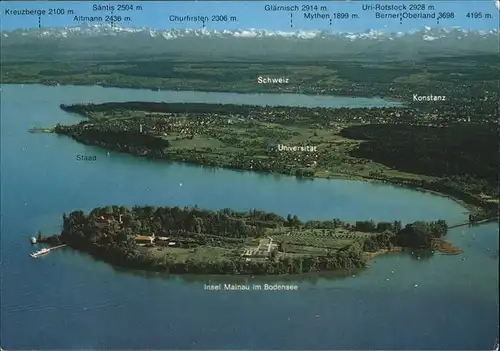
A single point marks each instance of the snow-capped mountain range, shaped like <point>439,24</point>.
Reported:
<point>106,41</point>
<point>426,33</point>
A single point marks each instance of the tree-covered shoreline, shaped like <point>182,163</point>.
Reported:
<point>216,242</point>
<point>457,160</point>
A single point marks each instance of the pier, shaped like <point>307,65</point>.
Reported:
<point>41,130</point>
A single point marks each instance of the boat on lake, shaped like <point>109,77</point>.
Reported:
<point>40,253</point>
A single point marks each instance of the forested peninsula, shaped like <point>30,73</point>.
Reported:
<point>398,145</point>
<point>193,240</point>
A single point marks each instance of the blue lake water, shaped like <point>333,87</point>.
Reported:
<point>66,300</point>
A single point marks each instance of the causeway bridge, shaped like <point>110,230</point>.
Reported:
<point>471,223</point>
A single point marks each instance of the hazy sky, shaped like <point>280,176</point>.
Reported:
<point>251,14</point>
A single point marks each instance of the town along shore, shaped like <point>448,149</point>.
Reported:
<point>389,145</point>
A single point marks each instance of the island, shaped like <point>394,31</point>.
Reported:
<point>397,145</point>
<point>192,240</point>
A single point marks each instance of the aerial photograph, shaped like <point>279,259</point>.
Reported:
<point>249,175</point>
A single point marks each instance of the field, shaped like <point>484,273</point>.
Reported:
<point>295,242</point>
<point>315,241</point>
<point>358,77</point>
<point>205,253</point>
<point>176,75</point>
